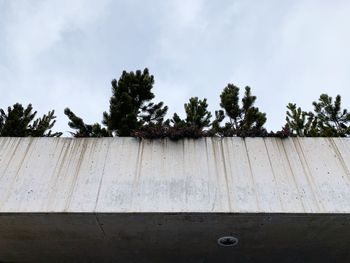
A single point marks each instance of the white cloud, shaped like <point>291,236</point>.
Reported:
<point>33,27</point>
<point>30,71</point>
<point>62,53</point>
<point>301,55</point>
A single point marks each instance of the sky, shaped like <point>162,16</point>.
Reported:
<point>63,53</point>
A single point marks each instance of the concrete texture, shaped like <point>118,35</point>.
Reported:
<point>296,175</point>
<point>125,200</point>
<point>174,238</point>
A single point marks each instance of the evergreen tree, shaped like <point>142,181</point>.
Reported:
<point>84,130</point>
<point>245,120</point>
<point>216,128</point>
<point>327,120</point>
<point>130,108</point>
<point>21,122</point>
<point>197,114</point>
<point>197,119</point>
<point>178,122</point>
<point>152,115</point>
<point>331,119</point>
<point>41,127</point>
<point>301,123</point>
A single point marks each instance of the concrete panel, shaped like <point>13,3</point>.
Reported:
<point>257,175</point>
<point>126,200</point>
<point>174,238</point>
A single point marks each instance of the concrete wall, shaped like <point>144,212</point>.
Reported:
<point>125,200</point>
<point>125,175</point>
<point>162,237</point>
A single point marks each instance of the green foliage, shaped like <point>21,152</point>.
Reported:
<point>16,121</point>
<point>197,119</point>
<point>327,120</point>
<point>219,117</point>
<point>245,120</point>
<point>21,122</point>
<point>197,114</point>
<point>82,129</point>
<point>300,122</point>
<point>331,119</point>
<point>133,113</point>
<point>130,108</point>
<point>177,121</point>
<point>153,115</point>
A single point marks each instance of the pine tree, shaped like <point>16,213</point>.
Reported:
<point>301,123</point>
<point>331,120</point>
<point>197,114</point>
<point>21,122</point>
<point>178,122</point>
<point>216,128</point>
<point>41,127</point>
<point>327,120</point>
<point>82,129</point>
<point>197,119</point>
<point>245,120</point>
<point>130,108</point>
<point>152,115</point>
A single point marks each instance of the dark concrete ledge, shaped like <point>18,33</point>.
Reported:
<point>173,237</point>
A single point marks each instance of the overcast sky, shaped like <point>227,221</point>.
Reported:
<point>63,53</point>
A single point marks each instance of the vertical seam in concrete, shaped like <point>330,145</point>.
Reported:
<point>226,176</point>
<point>55,174</point>
<point>216,168</point>
<point>251,174</point>
<point>340,158</point>
<point>307,173</point>
<point>11,157</point>
<point>273,174</point>
<point>102,175</point>
<point>25,155</point>
<point>76,174</point>
<point>208,169</point>
<point>293,176</point>
<point>137,170</point>
<point>100,225</point>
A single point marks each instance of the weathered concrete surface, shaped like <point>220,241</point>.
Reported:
<point>173,238</point>
<point>298,175</point>
<point>125,200</point>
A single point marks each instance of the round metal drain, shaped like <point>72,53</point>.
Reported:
<point>227,241</point>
